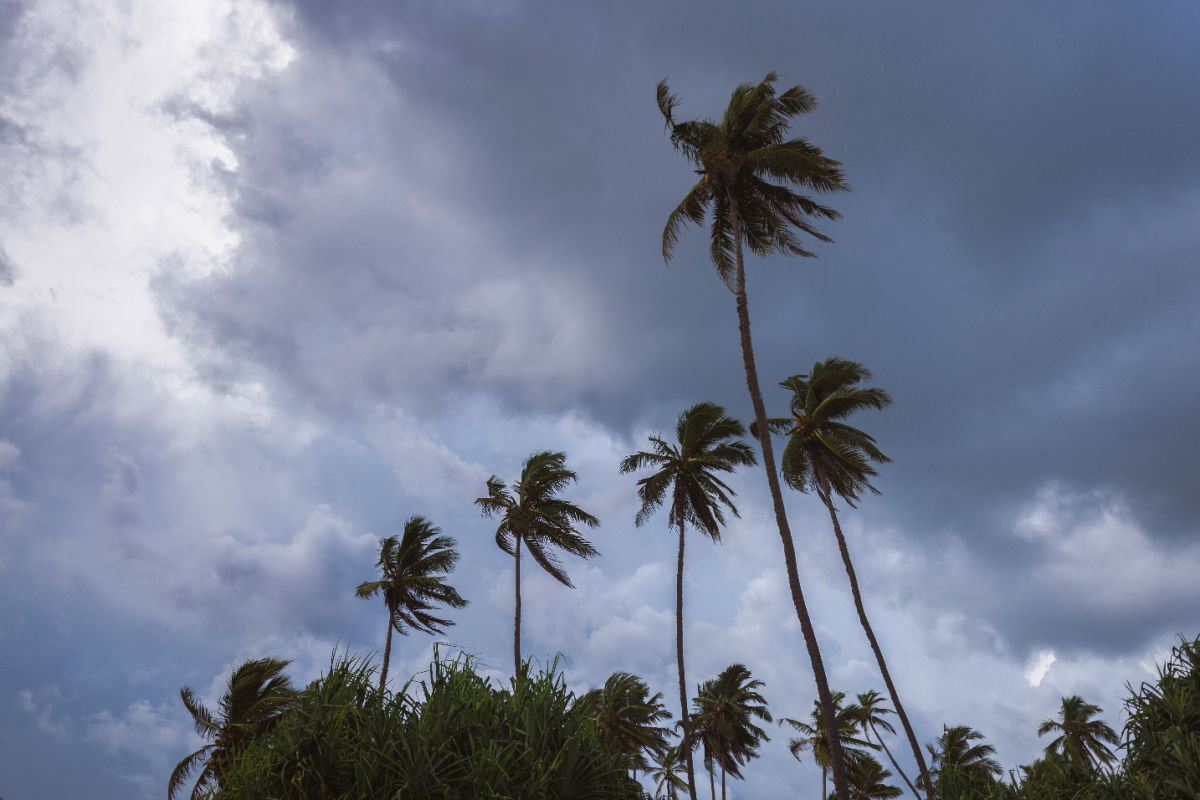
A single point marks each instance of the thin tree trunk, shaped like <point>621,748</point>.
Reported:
<point>862,617</point>
<point>712,787</point>
<point>824,783</point>
<point>722,782</point>
<point>785,533</point>
<point>683,704</point>
<point>891,758</point>
<point>517,617</point>
<point>387,654</point>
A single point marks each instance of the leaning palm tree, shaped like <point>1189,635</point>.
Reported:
<point>707,443</point>
<point>725,710</point>
<point>873,720</point>
<point>533,514</point>
<point>813,735</point>
<point>256,694</point>
<point>954,750</point>
<point>1080,738</point>
<point>738,158</point>
<point>413,569</point>
<point>627,715</point>
<point>826,456</point>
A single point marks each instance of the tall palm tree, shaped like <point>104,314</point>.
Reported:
<point>707,443</point>
<point>1080,738</point>
<point>413,569</point>
<point>814,736</point>
<point>725,710</point>
<point>873,720</point>
<point>627,718</point>
<point>738,158</point>
<point>256,694</point>
<point>954,750</point>
<point>825,455</point>
<point>533,514</point>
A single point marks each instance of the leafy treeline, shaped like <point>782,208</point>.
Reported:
<point>458,736</point>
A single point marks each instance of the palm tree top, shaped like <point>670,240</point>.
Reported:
<point>532,511</point>
<point>413,569</point>
<point>1081,739</point>
<point>954,749</point>
<point>737,158</point>
<point>709,442</point>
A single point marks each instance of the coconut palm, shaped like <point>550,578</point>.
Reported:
<point>867,779</point>
<point>707,444</point>
<point>813,735</point>
<point>873,720</point>
<point>256,694</point>
<point>737,159</point>
<point>725,709</point>
<point>954,750</point>
<point>533,514</point>
<point>1081,739</point>
<point>626,716</point>
<point>830,458</point>
<point>413,569</point>
<point>666,773</point>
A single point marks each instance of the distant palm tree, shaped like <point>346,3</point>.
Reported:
<point>707,443</point>
<point>532,513</point>
<point>867,778</point>
<point>666,773</point>
<point>256,694</point>
<point>1081,739</point>
<point>813,735</point>
<point>739,158</point>
<point>627,718</point>
<point>413,569</point>
<point>825,455</point>
<point>725,710</point>
<point>873,719</point>
<point>954,750</point>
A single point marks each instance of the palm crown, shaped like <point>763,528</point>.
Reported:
<point>709,443</point>
<point>628,716</point>
<point>1080,738</point>
<point>257,693</point>
<point>954,750</point>
<point>823,453</point>
<point>725,709</point>
<point>737,159</point>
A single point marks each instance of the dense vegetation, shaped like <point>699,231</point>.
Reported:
<point>456,735</point>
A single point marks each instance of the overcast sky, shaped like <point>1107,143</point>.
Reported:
<point>275,277</point>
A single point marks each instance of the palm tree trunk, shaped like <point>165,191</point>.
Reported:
<point>387,654</point>
<point>824,783</point>
<point>862,617</point>
<point>785,533</point>
<point>722,782</point>
<point>892,759</point>
<point>683,704</point>
<point>517,616</point>
<point>712,787</point>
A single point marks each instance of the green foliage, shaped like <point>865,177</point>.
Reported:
<point>724,712</point>
<point>627,716</point>
<point>1162,736</point>
<point>452,735</point>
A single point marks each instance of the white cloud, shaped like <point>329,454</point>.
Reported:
<point>1039,665</point>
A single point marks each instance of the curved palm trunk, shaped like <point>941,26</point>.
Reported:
<point>387,654</point>
<point>862,617</point>
<point>517,616</point>
<point>892,759</point>
<point>785,533</point>
<point>712,786</point>
<point>683,705</point>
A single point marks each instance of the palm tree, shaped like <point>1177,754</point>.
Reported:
<point>256,694</point>
<point>667,766</point>
<point>737,159</point>
<point>725,710</point>
<point>825,455</point>
<point>413,569</point>
<point>1081,739</point>
<point>813,735</point>
<point>872,720</point>
<point>867,778</point>
<point>626,716</point>
<point>533,514</point>
<point>707,443</point>
<point>954,750</point>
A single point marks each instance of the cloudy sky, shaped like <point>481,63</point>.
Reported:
<point>276,276</point>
